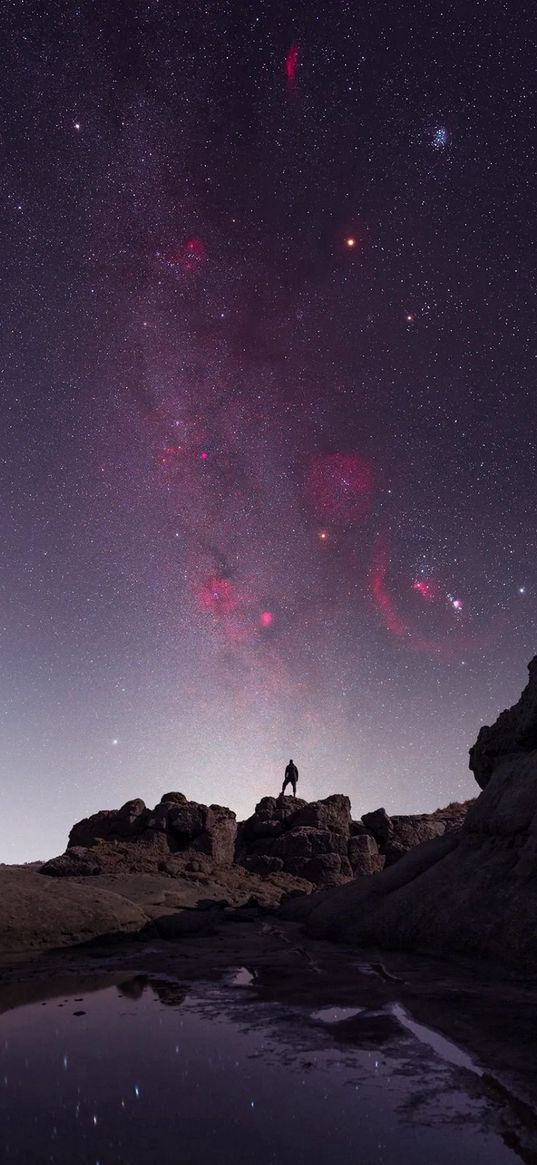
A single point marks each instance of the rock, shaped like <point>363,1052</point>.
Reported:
<point>125,822</point>
<point>37,912</point>
<point>263,864</point>
<point>294,832</point>
<point>513,733</point>
<point>218,839</point>
<point>327,869</point>
<point>396,835</point>
<point>307,842</point>
<point>76,862</point>
<point>334,814</point>
<point>473,890</point>
<point>135,838</point>
<point>271,816</point>
<point>364,856</point>
<point>378,823</point>
<point>188,820</point>
<point>160,817</point>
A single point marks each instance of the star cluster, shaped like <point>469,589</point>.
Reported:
<point>268,365</point>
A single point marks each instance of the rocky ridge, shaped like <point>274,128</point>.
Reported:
<point>316,842</point>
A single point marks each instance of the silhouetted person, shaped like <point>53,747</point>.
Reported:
<point>290,778</point>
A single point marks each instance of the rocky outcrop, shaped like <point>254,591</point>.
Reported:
<point>472,890</point>
<point>307,839</point>
<point>396,835</point>
<point>512,736</point>
<point>139,839</point>
<point>318,840</point>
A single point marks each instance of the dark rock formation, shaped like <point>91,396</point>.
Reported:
<point>139,839</point>
<point>472,890</point>
<point>309,839</point>
<point>396,835</point>
<point>513,734</point>
<point>316,841</point>
<point>74,863</point>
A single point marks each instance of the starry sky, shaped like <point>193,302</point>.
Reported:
<point>268,359</point>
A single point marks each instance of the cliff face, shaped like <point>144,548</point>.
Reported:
<point>512,736</point>
<point>473,890</point>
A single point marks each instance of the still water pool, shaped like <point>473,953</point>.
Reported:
<point>150,1073</point>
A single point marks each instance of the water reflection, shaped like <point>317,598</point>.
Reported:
<point>148,1073</point>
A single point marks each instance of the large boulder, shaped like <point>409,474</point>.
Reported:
<point>378,824</point>
<point>472,890</point>
<point>129,821</point>
<point>135,838</point>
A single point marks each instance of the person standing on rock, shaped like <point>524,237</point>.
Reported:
<point>290,778</point>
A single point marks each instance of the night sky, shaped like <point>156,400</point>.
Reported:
<point>268,357</point>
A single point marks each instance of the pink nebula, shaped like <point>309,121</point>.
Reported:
<point>192,256</point>
<point>218,595</point>
<point>291,62</point>
<point>428,589</point>
<point>340,485</point>
<point>266,619</point>
<point>168,454</point>
<point>381,597</point>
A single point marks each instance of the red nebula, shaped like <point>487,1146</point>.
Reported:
<point>341,485</point>
<point>203,456</point>
<point>168,454</point>
<point>428,590</point>
<point>192,256</point>
<point>291,62</point>
<point>382,599</point>
<point>266,619</point>
<point>218,595</point>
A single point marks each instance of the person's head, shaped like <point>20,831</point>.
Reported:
<point>291,761</point>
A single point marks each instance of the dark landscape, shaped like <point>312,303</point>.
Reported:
<point>180,906</point>
<point>268,561</point>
